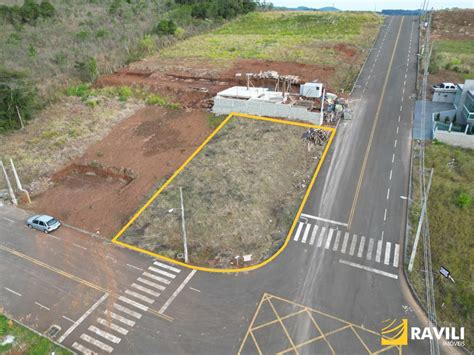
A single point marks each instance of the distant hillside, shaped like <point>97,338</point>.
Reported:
<point>305,8</point>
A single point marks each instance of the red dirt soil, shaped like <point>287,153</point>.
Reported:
<point>100,191</point>
<point>194,84</point>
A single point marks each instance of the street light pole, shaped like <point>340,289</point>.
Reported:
<point>186,259</point>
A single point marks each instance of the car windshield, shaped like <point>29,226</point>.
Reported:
<point>52,221</point>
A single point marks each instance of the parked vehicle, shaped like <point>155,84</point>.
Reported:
<point>444,86</point>
<point>43,223</point>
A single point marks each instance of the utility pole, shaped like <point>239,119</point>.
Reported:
<point>420,223</point>
<point>18,182</point>
<point>185,242</point>
<point>10,189</point>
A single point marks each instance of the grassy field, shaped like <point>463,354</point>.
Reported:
<point>288,36</point>
<point>241,194</point>
<point>450,212</point>
<point>453,46</point>
<point>26,342</point>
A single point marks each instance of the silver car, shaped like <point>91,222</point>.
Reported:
<point>43,223</point>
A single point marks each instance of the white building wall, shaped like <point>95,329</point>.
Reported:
<point>224,106</point>
<point>455,138</point>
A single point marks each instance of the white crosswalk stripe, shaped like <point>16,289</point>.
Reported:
<point>151,283</point>
<point>344,243</point>
<point>370,248</point>
<point>119,318</point>
<point>396,255</point>
<point>353,244</point>
<point>313,235</point>
<point>97,343</point>
<point>388,246</point>
<point>162,272</point>
<point>133,303</point>
<point>168,267</point>
<point>112,326</point>
<point>140,296</point>
<point>361,247</point>
<point>321,236</point>
<point>298,231</point>
<point>146,290</point>
<point>379,251</point>
<point>127,311</point>
<point>156,278</point>
<point>357,246</point>
<point>306,232</point>
<point>328,241</point>
<point>106,335</point>
<point>336,242</point>
<point>81,348</point>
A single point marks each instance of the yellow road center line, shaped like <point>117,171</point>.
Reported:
<point>374,126</point>
<point>72,277</point>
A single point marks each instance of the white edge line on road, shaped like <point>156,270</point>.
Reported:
<point>194,289</point>
<point>53,236</point>
<point>9,220</point>
<point>134,267</point>
<point>69,319</point>
<point>176,293</point>
<point>324,219</point>
<point>84,316</point>
<point>366,268</point>
<point>42,306</point>
<point>79,246</point>
<point>14,292</point>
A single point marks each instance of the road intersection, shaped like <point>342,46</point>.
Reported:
<point>328,292</point>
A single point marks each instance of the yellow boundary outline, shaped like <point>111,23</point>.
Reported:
<point>178,171</point>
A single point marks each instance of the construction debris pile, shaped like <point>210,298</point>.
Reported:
<point>315,137</point>
<point>336,108</point>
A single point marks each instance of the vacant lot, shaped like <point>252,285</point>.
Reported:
<point>453,47</point>
<point>26,341</point>
<point>328,47</point>
<point>241,194</point>
<point>450,212</point>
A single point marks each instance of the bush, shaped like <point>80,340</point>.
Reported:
<point>463,200</point>
<point>29,12</point>
<point>16,98</point>
<point>165,27</point>
<point>87,69</point>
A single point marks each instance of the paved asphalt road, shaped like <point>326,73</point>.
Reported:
<point>339,277</point>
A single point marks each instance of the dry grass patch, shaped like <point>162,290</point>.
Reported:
<point>241,194</point>
<point>62,132</point>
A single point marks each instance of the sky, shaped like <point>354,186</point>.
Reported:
<point>374,4</point>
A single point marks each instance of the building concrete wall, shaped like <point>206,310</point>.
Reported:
<point>444,96</point>
<point>224,106</point>
<point>443,115</point>
<point>455,138</point>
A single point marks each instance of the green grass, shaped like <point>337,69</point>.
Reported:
<point>287,36</point>
<point>455,46</point>
<point>26,341</point>
<point>91,96</point>
<point>451,216</point>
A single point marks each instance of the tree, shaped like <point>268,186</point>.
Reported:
<point>17,103</point>
<point>87,69</point>
<point>165,27</point>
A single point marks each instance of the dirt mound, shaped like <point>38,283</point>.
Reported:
<point>194,86</point>
<point>454,24</point>
<point>345,49</point>
<point>148,146</point>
